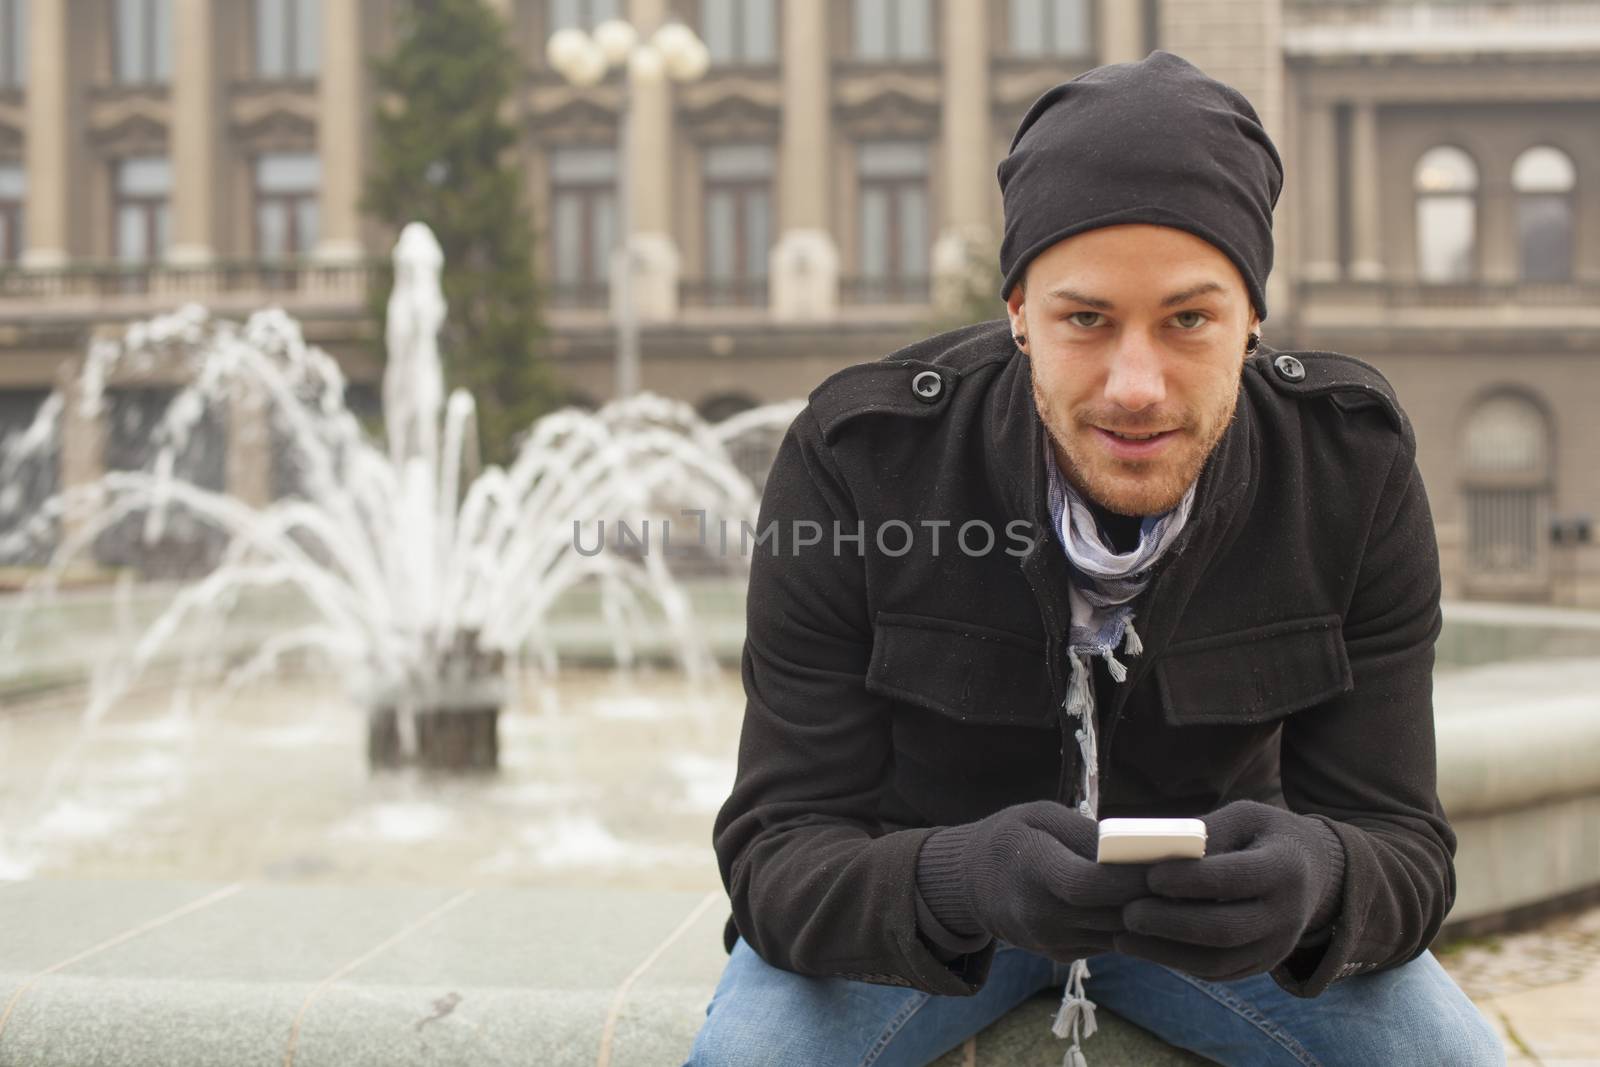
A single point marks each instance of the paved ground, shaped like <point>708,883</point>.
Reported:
<point>1540,988</point>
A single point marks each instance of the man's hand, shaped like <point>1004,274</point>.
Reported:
<point>1026,875</point>
<point>1269,876</point>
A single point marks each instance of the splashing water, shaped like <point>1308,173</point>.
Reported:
<point>423,578</point>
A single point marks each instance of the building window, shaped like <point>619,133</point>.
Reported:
<point>581,14</point>
<point>288,38</point>
<point>142,40</point>
<point>893,222</point>
<point>143,185</point>
<point>752,448</point>
<point>13,44</point>
<point>1507,487</point>
<point>740,31</point>
<point>286,203</point>
<point>893,29</point>
<point>1544,179</point>
<point>738,206</point>
<point>1049,28</point>
<point>1446,185</point>
<point>583,223</point>
<point>13,195</point>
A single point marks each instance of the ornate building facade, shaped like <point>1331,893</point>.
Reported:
<point>803,204</point>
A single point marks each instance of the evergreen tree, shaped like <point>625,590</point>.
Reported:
<point>443,155</point>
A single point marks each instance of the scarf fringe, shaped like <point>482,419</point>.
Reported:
<point>1076,1013</point>
<point>1080,703</point>
<point>1075,1017</point>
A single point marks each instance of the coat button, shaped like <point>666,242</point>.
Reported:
<point>1289,368</point>
<point>927,386</point>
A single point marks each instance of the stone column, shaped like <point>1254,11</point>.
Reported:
<point>49,135</point>
<point>194,132</point>
<point>1320,179</point>
<point>1366,257</point>
<point>83,436</point>
<point>968,173</point>
<point>652,247</point>
<point>341,104</point>
<point>805,262</point>
<point>967,169</point>
<point>1121,31</point>
<point>1499,258</point>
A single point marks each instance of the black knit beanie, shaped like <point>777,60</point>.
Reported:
<point>1157,141</point>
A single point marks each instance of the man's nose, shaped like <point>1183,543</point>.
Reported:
<point>1137,378</point>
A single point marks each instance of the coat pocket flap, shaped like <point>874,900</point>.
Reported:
<point>1254,675</point>
<point>964,670</point>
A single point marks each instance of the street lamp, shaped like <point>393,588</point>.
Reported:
<point>674,52</point>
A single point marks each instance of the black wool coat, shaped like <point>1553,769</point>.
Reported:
<point>893,688</point>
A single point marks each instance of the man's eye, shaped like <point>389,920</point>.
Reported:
<point>1199,319</point>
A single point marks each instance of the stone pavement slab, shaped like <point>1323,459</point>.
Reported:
<point>1552,1025</point>
<point>141,974</point>
<point>1540,988</point>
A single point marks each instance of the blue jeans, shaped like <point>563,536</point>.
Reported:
<point>1413,1015</point>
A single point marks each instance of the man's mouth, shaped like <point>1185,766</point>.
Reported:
<point>1129,445</point>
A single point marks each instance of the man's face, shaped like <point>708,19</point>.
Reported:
<point>1111,355</point>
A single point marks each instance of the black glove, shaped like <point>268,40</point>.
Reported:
<point>1026,875</point>
<point>1268,876</point>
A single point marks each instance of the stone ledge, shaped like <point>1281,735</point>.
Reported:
<point>1496,761</point>
<point>183,973</point>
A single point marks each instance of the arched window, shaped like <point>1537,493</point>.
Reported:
<point>720,406</point>
<point>577,398</point>
<point>753,449</point>
<point>1544,178</point>
<point>1446,184</point>
<point>1507,484</point>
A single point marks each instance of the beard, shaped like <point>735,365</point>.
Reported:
<point>1134,487</point>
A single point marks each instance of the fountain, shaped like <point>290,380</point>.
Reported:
<point>427,582</point>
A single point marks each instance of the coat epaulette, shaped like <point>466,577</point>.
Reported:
<point>1349,382</point>
<point>907,387</point>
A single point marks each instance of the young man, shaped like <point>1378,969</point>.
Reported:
<point>946,689</point>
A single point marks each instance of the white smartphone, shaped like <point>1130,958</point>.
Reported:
<point>1149,840</point>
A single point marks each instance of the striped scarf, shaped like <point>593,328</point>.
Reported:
<point>1104,583</point>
